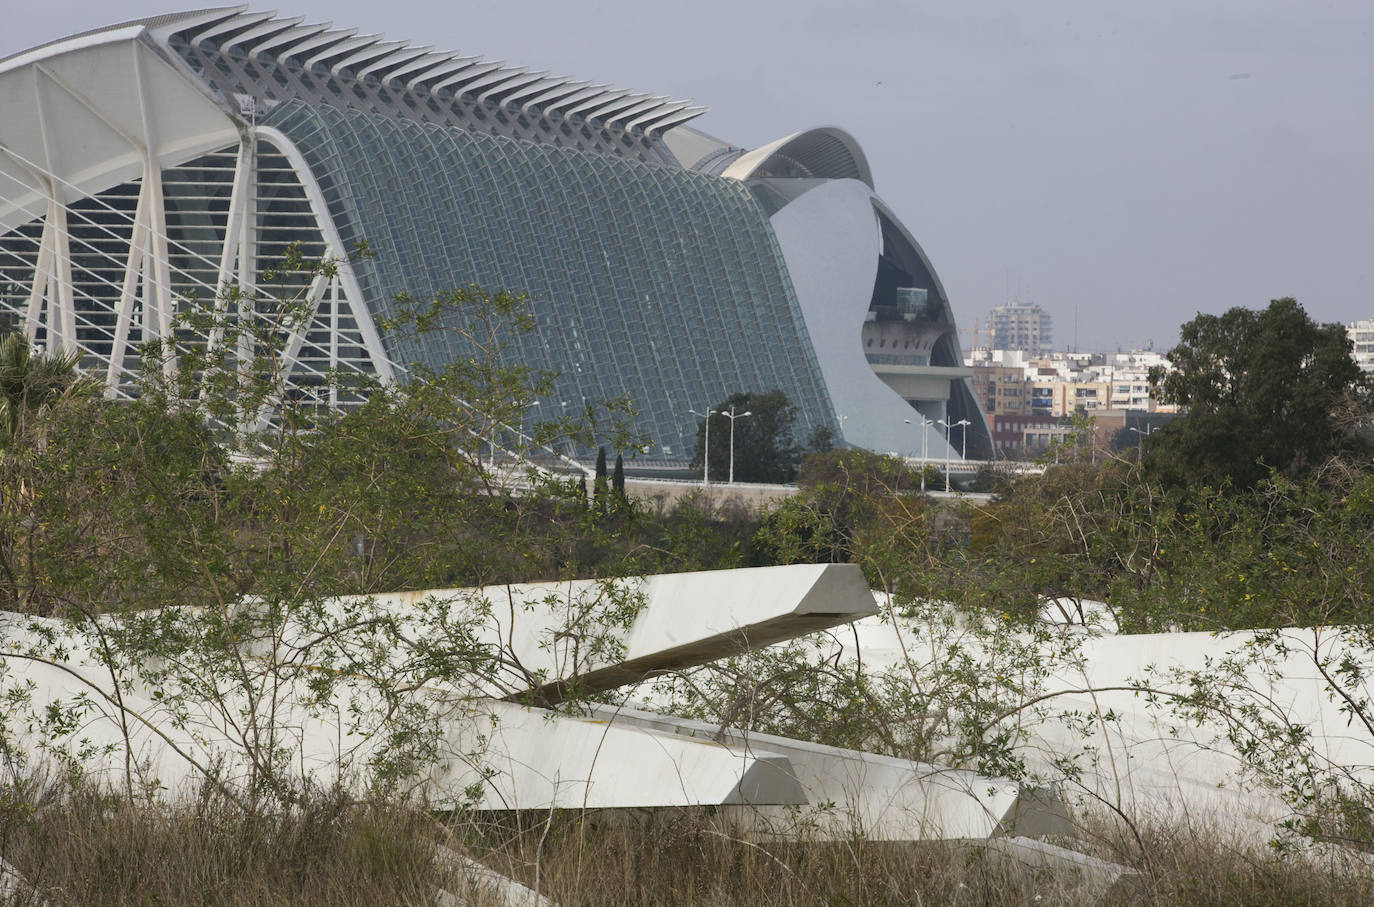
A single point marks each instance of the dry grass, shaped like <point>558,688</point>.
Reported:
<point>677,857</point>
<point>78,847</point>
<point>85,848</point>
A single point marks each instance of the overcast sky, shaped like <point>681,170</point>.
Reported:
<point>1123,165</point>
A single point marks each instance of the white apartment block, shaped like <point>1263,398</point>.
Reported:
<point>1361,334</point>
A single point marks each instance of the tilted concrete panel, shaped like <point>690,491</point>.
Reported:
<point>535,759</point>
<point>878,797</point>
<point>587,636</point>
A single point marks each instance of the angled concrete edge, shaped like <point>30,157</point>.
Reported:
<point>487,881</point>
<point>1099,877</point>
<point>851,792</point>
<point>530,758</point>
<point>689,619</point>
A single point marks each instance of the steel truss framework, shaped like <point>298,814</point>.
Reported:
<point>107,272</point>
<point>160,168</point>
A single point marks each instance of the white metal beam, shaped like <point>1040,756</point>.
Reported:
<point>61,305</point>
<point>133,266</point>
<point>372,339</point>
<point>38,290</point>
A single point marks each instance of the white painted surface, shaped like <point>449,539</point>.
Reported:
<point>682,620</point>
<point>1142,758</point>
<point>168,733</point>
<point>881,798</point>
<point>830,241</point>
<point>82,113</point>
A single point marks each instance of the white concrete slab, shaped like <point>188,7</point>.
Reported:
<point>850,792</point>
<point>1141,757</point>
<point>588,636</point>
<point>533,759</point>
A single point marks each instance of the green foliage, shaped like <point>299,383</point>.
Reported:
<point>841,494</point>
<point>1264,390</point>
<point>618,498</point>
<point>765,450</point>
<point>221,488</point>
<point>599,494</point>
<point>31,386</point>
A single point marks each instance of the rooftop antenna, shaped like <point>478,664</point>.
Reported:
<point>1075,327</point>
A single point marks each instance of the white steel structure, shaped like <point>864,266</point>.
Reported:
<point>164,167</point>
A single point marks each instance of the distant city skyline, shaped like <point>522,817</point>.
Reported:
<point>1124,169</point>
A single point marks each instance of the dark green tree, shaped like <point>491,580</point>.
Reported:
<point>765,449</point>
<point>599,491</point>
<point>30,385</point>
<point>1268,389</point>
<point>618,498</point>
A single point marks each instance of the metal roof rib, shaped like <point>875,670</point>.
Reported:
<point>295,33</point>
<point>522,94</point>
<point>562,107</point>
<point>541,100</point>
<point>609,113</point>
<point>645,120</point>
<point>621,116</point>
<point>368,57</point>
<point>464,79</point>
<point>493,76</point>
<point>441,69</point>
<point>347,54</point>
<point>334,58</point>
<point>265,30</point>
<point>593,103</point>
<point>330,45</point>
<point>231,25</point>
<point>500,92</point>
<point>423,60</point>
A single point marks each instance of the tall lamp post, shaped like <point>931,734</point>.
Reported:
<point>963,448</point>
<point>949,426</point>
<point>1140,442</point>
<point>732,417</point>
<point>925,424</point>
<point>706,446</point>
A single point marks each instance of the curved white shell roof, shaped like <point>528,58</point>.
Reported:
<point>825,152</point>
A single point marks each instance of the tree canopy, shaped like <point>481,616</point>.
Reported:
<point>765,449</point>
<point>1267,389</point>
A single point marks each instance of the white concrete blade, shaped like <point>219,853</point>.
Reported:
<point>881,798</point>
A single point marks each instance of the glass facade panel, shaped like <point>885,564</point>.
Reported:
<point>663,284</point>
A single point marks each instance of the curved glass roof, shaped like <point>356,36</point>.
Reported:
<point>662,283</point>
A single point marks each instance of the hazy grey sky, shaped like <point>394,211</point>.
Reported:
<point>1130,163</point>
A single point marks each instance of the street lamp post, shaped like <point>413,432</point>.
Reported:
<point>925,443</point>
<point>963,447</point>
<point>731,415</point>
<point>947,428</point>
<point>706,446</point>
<point>1140,442</point>
<point>963,453</point>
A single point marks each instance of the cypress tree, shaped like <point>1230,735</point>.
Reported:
<point>618,497</point>
<point>599,489</point>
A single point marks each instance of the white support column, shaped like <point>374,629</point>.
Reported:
<point>240,197</point>
<point>372,340</point>
<point>61,305</point>
<point>160,312</point>
<point>157,278</point>
<point>297,337</point>
<point>38,291</point>
<point>133,267</point>
<point>333,341</point>
<point>313,294</point>
<point>246,170</point>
